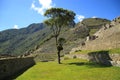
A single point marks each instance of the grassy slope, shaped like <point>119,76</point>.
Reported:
<point>74,36</point>
<point>94,22</point>
<point>68,34</point>
<point>117,50</point>
<point>17,42</point>
<point>70,70</point>
<point>111,51</point>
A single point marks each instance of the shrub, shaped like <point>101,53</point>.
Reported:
<point>74,57</point>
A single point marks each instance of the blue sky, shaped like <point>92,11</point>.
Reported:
<point>15,14</point>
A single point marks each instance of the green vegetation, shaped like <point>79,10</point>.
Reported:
<point>92,31</point>
<point>116,50</point>
<point>57,19</point>
<point>111,51</point>
<point>18,41</point>
<point>72,69</point>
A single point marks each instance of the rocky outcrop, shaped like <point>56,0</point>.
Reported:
<point>116,21</point>
<point>115,59</point>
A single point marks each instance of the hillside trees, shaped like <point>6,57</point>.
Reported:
<point>57,19</point>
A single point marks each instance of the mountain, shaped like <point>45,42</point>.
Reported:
<point>37,37</point>
<point>75,36</point>
<point>107,37</point>
<point>94,24</point>
<point>18,41</point>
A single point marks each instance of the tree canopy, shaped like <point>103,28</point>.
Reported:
<point>59,17</point>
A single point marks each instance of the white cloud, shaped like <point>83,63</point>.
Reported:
<point>80,17</point>
<point>94,17</point>
<point>45,4</point>
<point>15,27</point>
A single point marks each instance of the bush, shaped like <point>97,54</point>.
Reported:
<point>74,57</point>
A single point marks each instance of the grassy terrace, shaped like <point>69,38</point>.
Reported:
<point>72,69</point>
<point>111,51</point>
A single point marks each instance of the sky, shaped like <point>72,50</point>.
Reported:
<point>16,14</point>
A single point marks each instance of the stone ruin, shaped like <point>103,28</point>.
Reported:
<point>107,26</point>
<point>92,37</point>
<point>116,21</point>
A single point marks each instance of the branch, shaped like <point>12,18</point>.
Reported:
<point>53,30</point>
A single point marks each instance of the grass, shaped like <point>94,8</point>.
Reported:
<point>72,69</point>
<point>92,31</point>
<point>111,51</point>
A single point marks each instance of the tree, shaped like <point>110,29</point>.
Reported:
<point>57,19</point>
<point>61,41</point>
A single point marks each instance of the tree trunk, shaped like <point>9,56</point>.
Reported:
<point>58,53</point>
<point>56,40</point>
<point>59,57</point>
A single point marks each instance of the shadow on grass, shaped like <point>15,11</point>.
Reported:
<point>101,57</point>
<point>96,59</point>
<point>89,64</point>
<point>77,63</point>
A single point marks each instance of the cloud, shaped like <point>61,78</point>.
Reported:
<point>15,27</point>
<point>80,17</point>
<point>94,17</point>
<point>45,4</point>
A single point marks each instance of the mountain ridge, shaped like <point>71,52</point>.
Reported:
<point>38,35</point>
<point>15,38</point>
<point>104,39</point>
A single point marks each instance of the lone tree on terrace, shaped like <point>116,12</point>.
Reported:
<point>57,19</point>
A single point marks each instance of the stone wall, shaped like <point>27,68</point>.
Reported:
<point>11,67</point>
<point>115,59</point>
<point>99,57</point>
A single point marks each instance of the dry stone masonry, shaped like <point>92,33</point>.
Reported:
<point>10,67</point>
